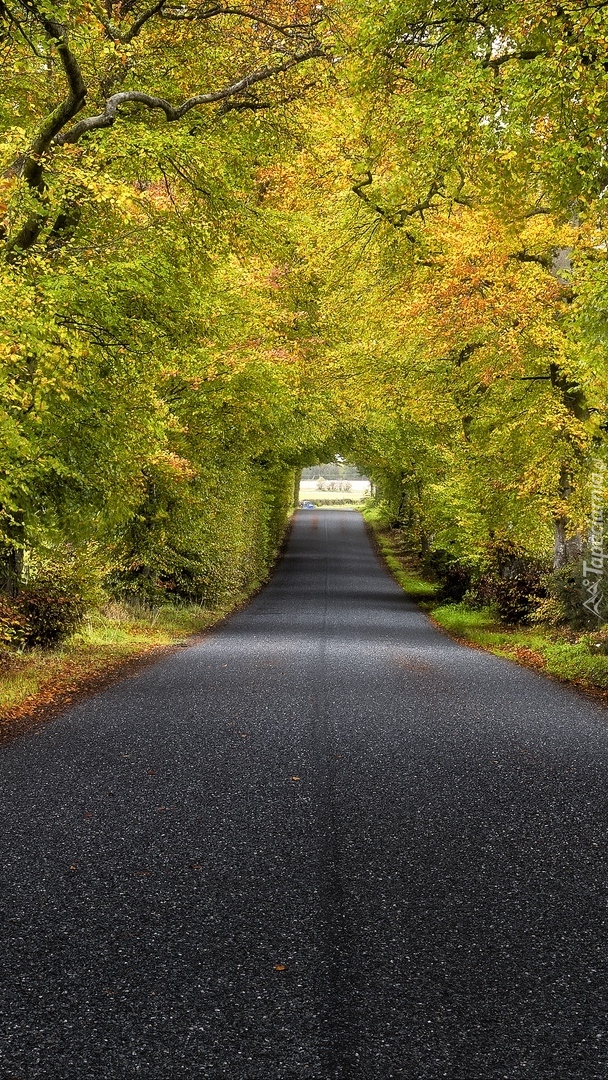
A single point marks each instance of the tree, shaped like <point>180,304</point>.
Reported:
<point>107,61</point>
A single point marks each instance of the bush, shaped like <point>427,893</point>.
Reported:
<point>77,573</point>
<point>13,624</point>
<point>548,610</point>
<point>513,583</point>
<point>566,586</point>
<point>454,574</point>
<point>50,612</point>
<point>515,596</point>
<point>41,614</point>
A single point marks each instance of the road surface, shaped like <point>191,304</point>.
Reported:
<point>325,842</point>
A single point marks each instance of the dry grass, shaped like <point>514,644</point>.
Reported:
<point>94,654</point>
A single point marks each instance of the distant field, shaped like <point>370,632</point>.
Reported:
<point>359,491</point>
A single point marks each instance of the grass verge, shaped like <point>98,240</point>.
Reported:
<point>95,654</point>
<point>108,646</point>
<point>570,657</point>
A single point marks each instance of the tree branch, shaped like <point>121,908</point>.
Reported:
<point>536,210</point>
<point>176,112</point>
<point>184,176</point>
<point>399,217</point>
<point>31,168</point>
<point>526,257</point>
<point>126,36</point>
<point>12,18</point>
<point>496,62</point>
<point>180,15</point>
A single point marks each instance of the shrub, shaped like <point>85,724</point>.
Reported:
<point>454,574</point>
<point>457,581</point>
<point>513,583</point>
<point>72,572</point>
<point>548,610</point>
<point>41,614</point>
<point>566,586</point>
<point>13,623</point>
<point>515,596</point>
<point>50,612</point>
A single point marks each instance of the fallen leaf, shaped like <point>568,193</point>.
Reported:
<point>280,967</point>
<point>294,778</point>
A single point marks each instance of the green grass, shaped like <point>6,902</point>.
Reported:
<point>332,498</point>
<point>136,622</point>
<point>557,651</point>
<point>100,646</point>
<point>479,625</point>
<point>419,589</point>
<point>576,662</point>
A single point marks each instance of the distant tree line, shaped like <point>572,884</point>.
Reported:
<point>332,471</point>
<point>333,485</point>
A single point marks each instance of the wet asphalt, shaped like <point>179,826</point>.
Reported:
<point>325,842</point>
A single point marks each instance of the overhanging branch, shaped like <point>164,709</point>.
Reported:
<point>528,257</point>
<point>127,35</point>
<point>181,13</point>
<point>69,107</point>
<point>199,13</point>
<point>175,112</point>
<point>398,218</point>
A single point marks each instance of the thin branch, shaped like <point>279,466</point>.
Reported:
<point>126,36</point>
<point>244,106</point>
<point>184,176</point>
<point>496,62</point>
<point>526,257</point>
<point>13,19</point>
<point>181,15</point>
<point>96,332</point>
<point>467,351</point>
<point>358,190</point>
<point>255,105</point>
<point>399,217</point>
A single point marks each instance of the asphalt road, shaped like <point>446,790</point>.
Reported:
<point>326,842</point>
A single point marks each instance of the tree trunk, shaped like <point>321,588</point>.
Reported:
<point>13,570</point>
<point>565,548</point>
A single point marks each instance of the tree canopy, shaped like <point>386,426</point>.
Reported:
<point>237,241</point>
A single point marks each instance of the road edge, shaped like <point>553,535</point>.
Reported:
<point>49,702</point>
<point>595,693</point>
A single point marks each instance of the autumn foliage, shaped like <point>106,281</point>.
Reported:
<point>237,241</point>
